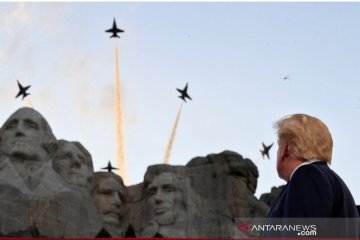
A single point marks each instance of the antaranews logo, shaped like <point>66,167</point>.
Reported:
<point>244,228</point>
<point>298,229</point>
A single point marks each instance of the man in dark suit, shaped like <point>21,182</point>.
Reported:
<point>313,190</point>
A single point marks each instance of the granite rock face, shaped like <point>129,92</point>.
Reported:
<point>229,181</point>
<point>270,198</point>
<point>109,194</point>
<point>200,200</point>
<point>48,188</point>
<point>33,195</point>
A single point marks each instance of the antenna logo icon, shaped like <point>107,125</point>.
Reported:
<point>244,228</point>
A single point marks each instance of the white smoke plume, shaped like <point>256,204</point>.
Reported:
<point>29,102</point>
<point>172,137</point>
<point>120,143</point>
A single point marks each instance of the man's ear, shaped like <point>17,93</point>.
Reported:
<point>284,153</point>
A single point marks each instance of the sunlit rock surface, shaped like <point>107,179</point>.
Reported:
<point>48,188</point>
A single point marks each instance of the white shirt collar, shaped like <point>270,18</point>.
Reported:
<point>304,163</point>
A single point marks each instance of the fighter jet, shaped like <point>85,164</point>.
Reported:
<point>184,93</point>
<point>265,150</point>
<point>22,90</point>
<point>110,167</point>
<point>287,77</point>
<point>114,30</point>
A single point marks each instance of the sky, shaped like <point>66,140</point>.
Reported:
<point>234,57</point>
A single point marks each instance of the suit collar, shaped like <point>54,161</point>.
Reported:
<point>303,164</point>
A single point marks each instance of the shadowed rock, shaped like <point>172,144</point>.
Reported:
<point>31,191</point>
<point>73,163</point>
<point>229,182</point>
<point>48,188</point>
<point>270,198</point>
<point>110,196</point>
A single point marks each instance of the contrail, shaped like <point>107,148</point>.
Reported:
<point>120,149</point>
<point>29,102</point>
<point>172,137</point>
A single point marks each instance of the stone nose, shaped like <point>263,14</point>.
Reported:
<point>116,200</point>
<point>19,133</point>
<point>158,197</point>
<point>19,130</point>
<point>76,162</point>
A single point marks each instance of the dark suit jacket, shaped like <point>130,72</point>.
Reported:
<point>315,191</point>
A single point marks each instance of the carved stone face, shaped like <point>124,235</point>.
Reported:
<point>108,196</point>
<point>165,199</point>
<point>72,165</point>
<point>252,182</point>
<point>23,135</point>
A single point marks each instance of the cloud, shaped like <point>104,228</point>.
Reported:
<point>130,102</point>
<point>2,55</point>
<point>83,101</point>
<point>22,26</point>
<point>52,14</point>
<point>17,17</point>
<point>9,93</point>
<point>44,95</point>
<point>105,105</point>
<point>72,79</point>
<point>15,20</point>
<point>21,17</point>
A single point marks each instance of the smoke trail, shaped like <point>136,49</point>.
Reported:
<point>29,102</point>
<point>172,137</point>
<point>120,149</point>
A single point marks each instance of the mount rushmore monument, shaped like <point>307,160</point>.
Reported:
<point>48,188</point>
